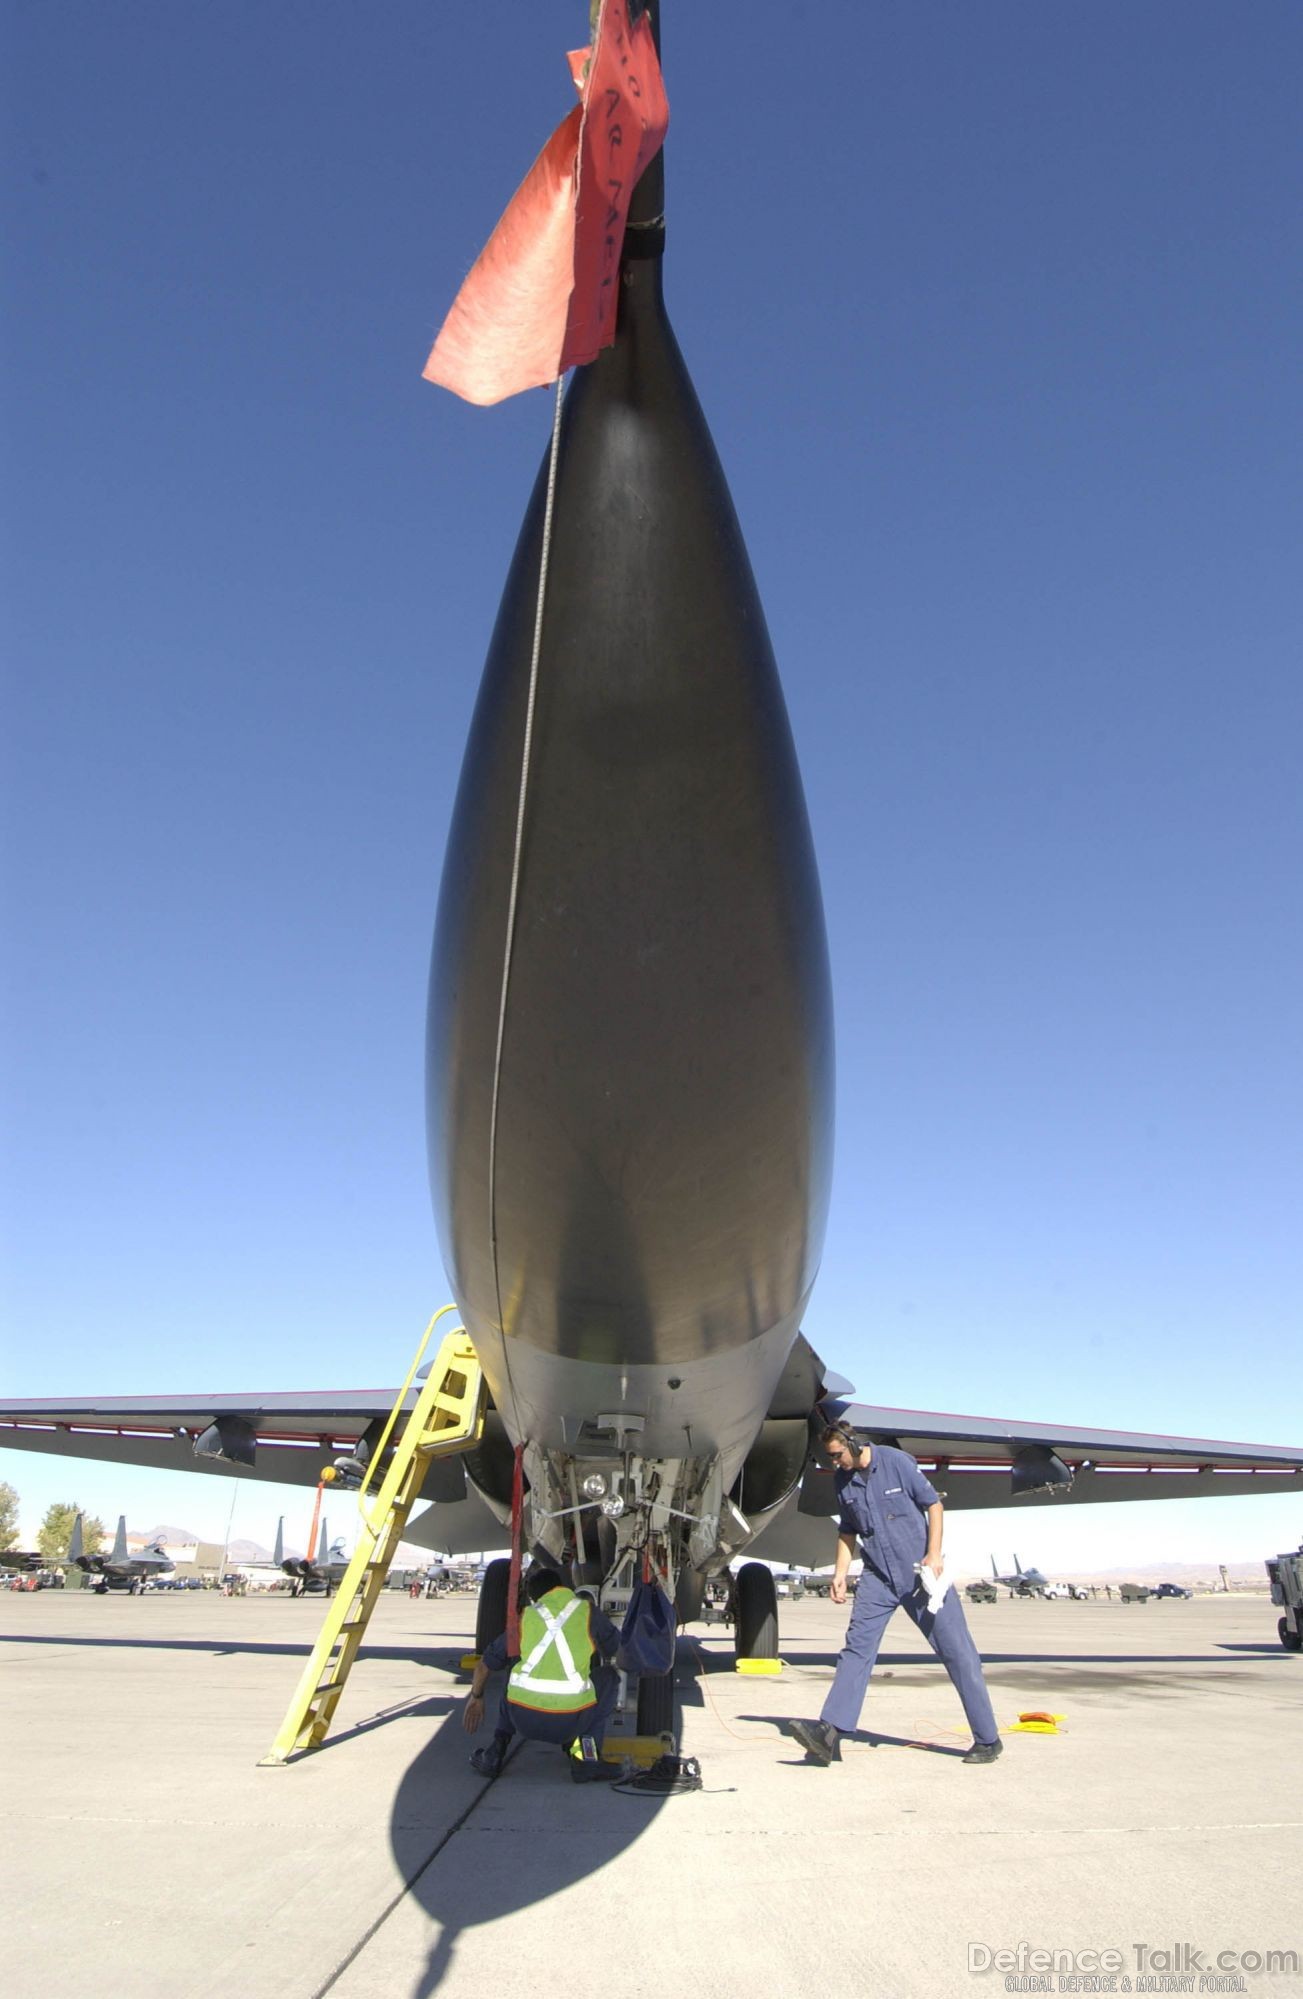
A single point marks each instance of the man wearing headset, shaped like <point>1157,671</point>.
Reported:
<point>894,1515</point>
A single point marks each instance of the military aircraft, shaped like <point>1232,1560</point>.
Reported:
<point>1023,1582</point>
<point>630,1073</point>
<point>310,1575</point>
<point>22,1561</point>
<point>119,1569</point>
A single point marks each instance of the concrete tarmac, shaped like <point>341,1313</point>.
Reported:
<point>145,1853</point>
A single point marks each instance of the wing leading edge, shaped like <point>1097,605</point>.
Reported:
<point>293,1437</point>
<point>294,1433</point>
<point>984,1461</point>
<point>988,1461</point>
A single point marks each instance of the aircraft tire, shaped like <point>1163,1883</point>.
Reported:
<point>491,1615</point>
<point>656,1704</point>
<point>688,1594</point>
<point>1291,1640</point>
<point>756,1626</point>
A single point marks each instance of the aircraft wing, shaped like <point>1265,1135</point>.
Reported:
<point>294,1435</point>
<point>984,1461</point>
<point>973,1461</point>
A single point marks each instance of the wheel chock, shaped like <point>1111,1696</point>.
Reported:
<point>468,1662</point>
<point>644,1750</point>
<point>760,1668</point>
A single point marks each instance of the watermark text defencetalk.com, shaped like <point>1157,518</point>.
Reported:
<point>1133,1968</point>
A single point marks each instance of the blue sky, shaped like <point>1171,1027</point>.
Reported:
<point>995,315</point>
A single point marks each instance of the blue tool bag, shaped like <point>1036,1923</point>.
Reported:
<point>647,1634</point>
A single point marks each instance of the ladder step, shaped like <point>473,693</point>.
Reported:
<point>448,1416</point>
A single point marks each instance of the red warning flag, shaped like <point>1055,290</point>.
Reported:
<point>541,296</point>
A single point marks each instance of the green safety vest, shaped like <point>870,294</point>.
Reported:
<point>556,1651</point>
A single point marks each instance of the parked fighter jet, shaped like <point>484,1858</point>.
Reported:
<point>630,1069</point>
<point>22,1561</point>
<point>1023,1582</point>
<point>119,1569</point>
<point>312,1576</point>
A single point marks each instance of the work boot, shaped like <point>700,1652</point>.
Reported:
<point>819,1739</point>
<point>984,1752</point>
<point>488,1761</point>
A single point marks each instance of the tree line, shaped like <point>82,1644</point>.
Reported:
<point>54,1532</point>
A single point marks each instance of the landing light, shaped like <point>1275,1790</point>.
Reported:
<point>613,1507</point>
<point>594,1486</point>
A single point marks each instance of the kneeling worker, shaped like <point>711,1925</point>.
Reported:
<point>560,1688</point>
<point>895,1515</point>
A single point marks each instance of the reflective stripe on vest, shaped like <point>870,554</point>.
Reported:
<point>549,1675</point>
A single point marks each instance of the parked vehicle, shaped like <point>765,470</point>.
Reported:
<point>1285,1574</point>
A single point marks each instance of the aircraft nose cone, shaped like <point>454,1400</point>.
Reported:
<point>662,1124</point>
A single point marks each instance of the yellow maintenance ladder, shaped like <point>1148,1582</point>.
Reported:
<point>448,1417</point>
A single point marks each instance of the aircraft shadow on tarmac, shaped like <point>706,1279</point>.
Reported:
<point>554,1833</point>
<point>539,1836</point>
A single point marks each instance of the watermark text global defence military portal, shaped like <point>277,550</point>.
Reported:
<point>1131,1968</point>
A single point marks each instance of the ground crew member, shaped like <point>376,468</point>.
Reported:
<point>560,1688</point>
<point>894,1514</point>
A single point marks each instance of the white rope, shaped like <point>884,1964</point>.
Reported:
<point>510,940</point>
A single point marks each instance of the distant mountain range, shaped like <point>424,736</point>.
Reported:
<point>1172,1572</point>
<point>181,1537</point>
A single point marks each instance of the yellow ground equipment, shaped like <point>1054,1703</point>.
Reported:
<point>448,1417</point>
<point>640,1750</point>
<point>1036,1722</point>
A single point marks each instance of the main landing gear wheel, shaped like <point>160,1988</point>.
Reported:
<point>688,1594</point>
<point>491,1616</point>
<point>755,1626</point>
<point>656,1704</point>
<point>1291,1640</point>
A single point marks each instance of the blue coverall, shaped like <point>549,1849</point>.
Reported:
<point>886,1507</point>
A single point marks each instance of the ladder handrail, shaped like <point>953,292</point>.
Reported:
<point>448,1417</point>
<point>395,1412</point>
